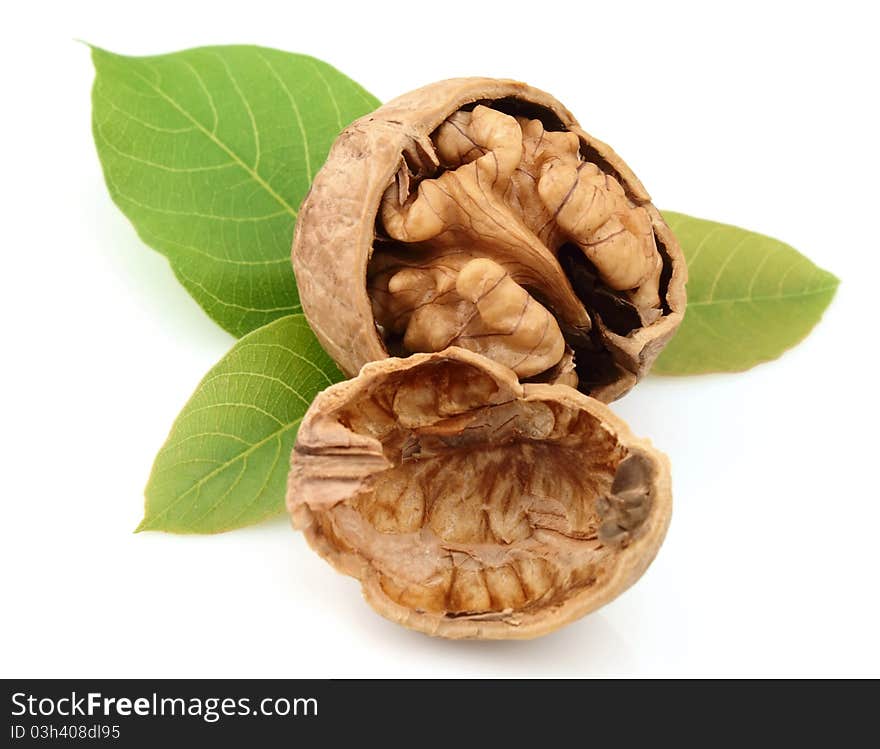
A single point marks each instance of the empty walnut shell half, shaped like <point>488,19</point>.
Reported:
<point>470,505</point>
<point>476,212</point>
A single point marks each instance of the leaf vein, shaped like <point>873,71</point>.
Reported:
<point>155,164</point>
<point>330,94</point>
<point>262,376</point>
<point>765,298</point>
<point>229,489</point>
<point>202,435</point>
<point>248,110</point>
<point>134,118</point>
<point>234,404</point>
<point>233,305</point>
<point>197,214</point>
<point>207,477</point>
<point>725,263</point>
<point>220,144</point>
<point>207,92</point>
<point>204,253</point>
<point>296,114</point>
<point>245,507</point>
<point>294,354</point>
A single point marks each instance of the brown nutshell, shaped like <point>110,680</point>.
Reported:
<point>470,505</point>
<point>477,213</point>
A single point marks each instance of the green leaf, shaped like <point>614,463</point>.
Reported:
<point>750,297</point>
<point>225,462</point>
<point>209,153</point>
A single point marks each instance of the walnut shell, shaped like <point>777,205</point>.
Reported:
<point>470,505</point>
<point>492,171</point>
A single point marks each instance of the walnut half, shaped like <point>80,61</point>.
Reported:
<point>470,505</point>
<point>477,213</point>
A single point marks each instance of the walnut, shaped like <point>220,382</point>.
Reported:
<point>477,213</point>
<point>470,505</point>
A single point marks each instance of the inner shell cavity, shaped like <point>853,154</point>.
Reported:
<point>489,503</point>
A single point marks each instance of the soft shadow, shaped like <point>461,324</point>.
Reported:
<point>588,647</point>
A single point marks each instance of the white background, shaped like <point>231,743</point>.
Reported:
<point>763,115</point>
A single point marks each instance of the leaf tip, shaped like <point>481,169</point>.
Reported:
<point>98,53</point>
<point>94,50</point>
<point>833,284</point>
